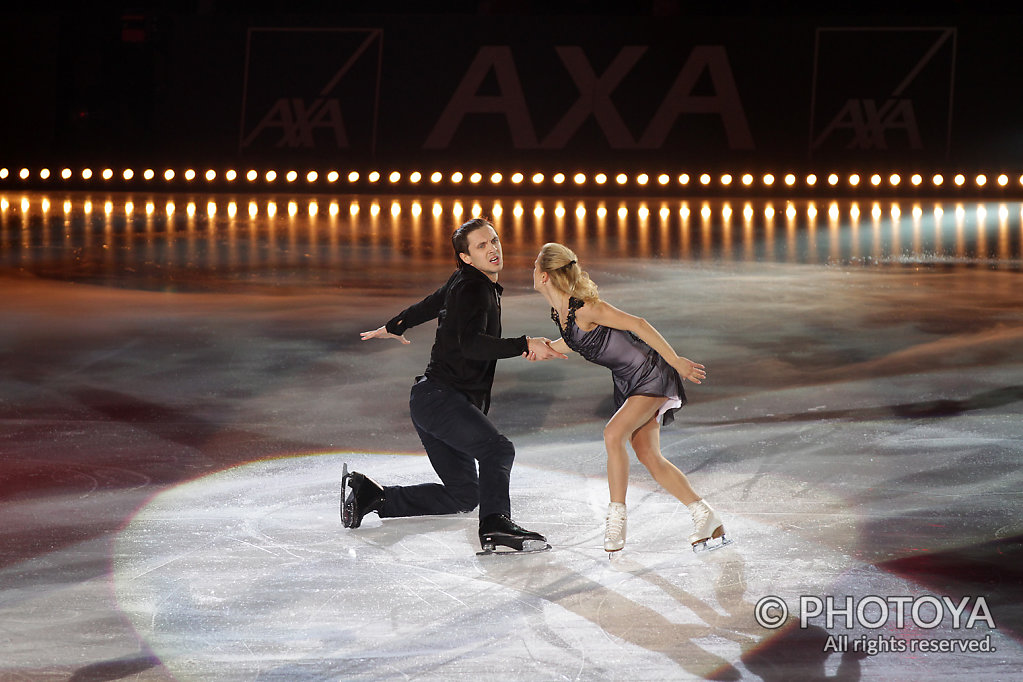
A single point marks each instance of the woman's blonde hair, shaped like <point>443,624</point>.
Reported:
<point>562,266</point>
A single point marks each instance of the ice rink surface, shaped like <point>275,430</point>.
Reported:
<point>182,378</point>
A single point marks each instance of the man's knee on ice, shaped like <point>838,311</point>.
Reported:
<point>466,497</point>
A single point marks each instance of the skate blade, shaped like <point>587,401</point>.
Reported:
<point>347,499</point>
<point>710,544</point>
<point>528,547</point>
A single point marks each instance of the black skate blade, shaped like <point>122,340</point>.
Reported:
<point>710,544</point>
<point>345,475</point>
<point>347,499</point>
<point>528,547</point>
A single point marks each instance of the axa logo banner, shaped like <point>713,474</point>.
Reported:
<point>315,93</point>
<point>448,91</point>
<point>881,91</point>
<point>587,95</point>
<point>311,91</point>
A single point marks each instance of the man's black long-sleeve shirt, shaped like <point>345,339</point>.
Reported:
<point>468,342</point>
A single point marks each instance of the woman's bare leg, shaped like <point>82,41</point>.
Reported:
<point>636,411</point>
<point>646,441</point>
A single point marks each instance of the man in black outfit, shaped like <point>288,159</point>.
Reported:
<point>450,401</point>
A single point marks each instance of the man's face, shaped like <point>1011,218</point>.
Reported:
<point>484,252</point>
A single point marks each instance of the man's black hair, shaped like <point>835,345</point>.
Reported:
<point>460,237</point>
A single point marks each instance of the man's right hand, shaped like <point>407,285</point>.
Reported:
<point>540,349</point>
<point>382,333</point>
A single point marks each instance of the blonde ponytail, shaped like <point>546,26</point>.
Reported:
<point>562,266</point>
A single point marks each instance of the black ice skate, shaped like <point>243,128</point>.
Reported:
<point>497,530</point>
<point>360,495</point>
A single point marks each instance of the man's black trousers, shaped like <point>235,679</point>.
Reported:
<point>456,435</point>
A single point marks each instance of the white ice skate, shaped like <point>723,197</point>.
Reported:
<point>614,528</point>
<point>708,530</point>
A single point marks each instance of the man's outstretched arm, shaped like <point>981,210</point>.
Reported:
<point>417,313</point>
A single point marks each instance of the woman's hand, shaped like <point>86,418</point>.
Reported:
<point>687,369</point>
<point>540,348</point>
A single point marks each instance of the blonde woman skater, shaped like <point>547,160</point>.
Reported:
<point>648,390</point>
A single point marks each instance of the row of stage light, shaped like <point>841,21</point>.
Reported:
<point>834,209</point>
<point>293,232</point>
<point>399,181</point>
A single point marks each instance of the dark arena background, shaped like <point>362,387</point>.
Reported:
<point>202,205</point>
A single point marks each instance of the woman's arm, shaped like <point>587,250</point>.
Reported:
<point>605,314</point>
<point>561,346</point>
<point>558,348</point>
